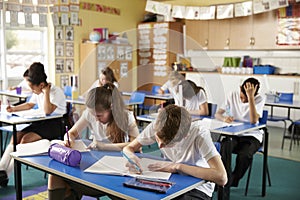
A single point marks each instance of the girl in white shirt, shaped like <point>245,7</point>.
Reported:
<point>194,98</point>
<point>172,85</point>
<point>112,127</point>
<point>106,76</point>
<point>50,99</point>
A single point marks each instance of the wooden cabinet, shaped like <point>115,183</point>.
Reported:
<point>198,36</point>
<point>158,45</point>
<point>94,57</point>
<point>257,31</point>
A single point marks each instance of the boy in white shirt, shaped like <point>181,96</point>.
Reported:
<point>246,106</point>
<point>189,147</point>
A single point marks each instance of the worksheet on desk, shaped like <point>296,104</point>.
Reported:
<point>214,123</point>
<point>30,114</point>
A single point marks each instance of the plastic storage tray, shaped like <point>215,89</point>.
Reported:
<point>263,69</point>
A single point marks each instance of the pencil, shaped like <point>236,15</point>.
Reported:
<point>67,131</point>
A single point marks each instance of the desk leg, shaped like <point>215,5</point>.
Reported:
<point>265,162</point>
<point>224,192</point>
<point>17,168</point>
<point>1,140</point>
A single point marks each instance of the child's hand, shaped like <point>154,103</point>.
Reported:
<point>132,167</point>
<point>163,166</point>
<point>228,119</point>
<point>10,109</point>
<point>92,146</point>
<point>46,89</point>
<point>250,89</point>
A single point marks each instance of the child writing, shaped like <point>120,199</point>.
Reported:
<point>23,84</point>
<point>245,105</point>
<point>194,98</point>
<point>50,99</point>
<point>187,145</point>
<point>112,126</point>
<point>106,75</point>
<point>172,85</point>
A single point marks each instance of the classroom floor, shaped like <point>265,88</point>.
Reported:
<point>275,140</point>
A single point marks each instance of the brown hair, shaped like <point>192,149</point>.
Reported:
<point>36,74</point>
<point>172,123</point>
<point>108,97</point>
<point>253,81</point>
<point>109,74</point>
<point>190,89</point>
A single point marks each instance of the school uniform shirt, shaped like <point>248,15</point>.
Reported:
<point>24,85</point>
<point>241,112</point>
<point>195,149</point>
<point>99,130</point>
<point>195,102</point>
<point>173,91</point>
<point>57,98</point>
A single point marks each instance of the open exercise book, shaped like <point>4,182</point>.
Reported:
<point>117,166</point>
<point>41,147</point>
<point>214,123</point>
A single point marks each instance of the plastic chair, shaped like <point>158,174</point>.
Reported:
<point>262,120</point>
<point>283,97</point>
<point>136,98</point>
<point>212,109</point>
<point>68,91</point>
<point>294,133</point>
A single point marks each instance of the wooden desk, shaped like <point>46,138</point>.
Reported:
<point>106,183</point>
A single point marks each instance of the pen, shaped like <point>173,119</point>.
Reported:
<point>67,131</point>
<point>8,102</point>
<point>131,161</point>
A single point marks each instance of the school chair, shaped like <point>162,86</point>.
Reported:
<point>294,133</point>
<point>283,97</point>
<point>212,109</point>
<point>136,99</point>
<point>154,90</point>
<point>262,120</point>
<point>68,91</point>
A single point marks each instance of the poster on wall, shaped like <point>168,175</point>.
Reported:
<point>69,65</point>
<point>288,33</point>
<point>207,12</point>
<point>59,33</point>
<point>225,11</point>
<point>59,65</point>
<point>69,33</point>
<point>243,9</point>
<point>43,20</point>
<point>69,49</point>
<point>123,69</point>
<point>59,49</point>
<point>64,80</point>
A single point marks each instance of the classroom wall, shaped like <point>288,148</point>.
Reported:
<point>131,13</point>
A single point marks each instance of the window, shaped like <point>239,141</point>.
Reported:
<point>24,45</point>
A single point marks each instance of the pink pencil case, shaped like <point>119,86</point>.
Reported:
<point>64,155</point>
